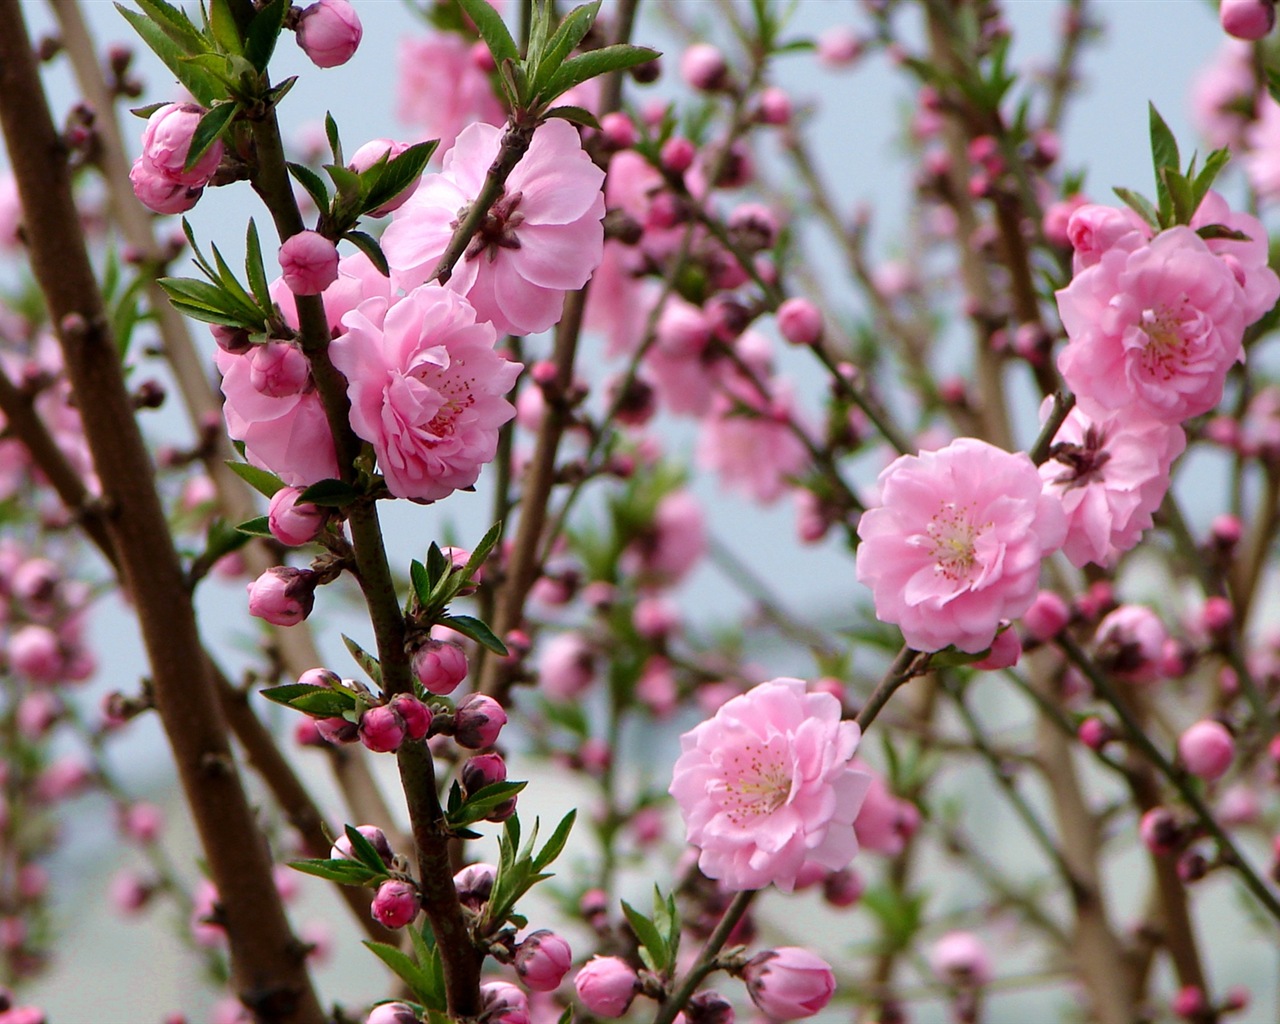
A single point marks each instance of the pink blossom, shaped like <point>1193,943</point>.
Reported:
<point>440,666</point>
<point>1262,156</point>
<point>960,958</point>
<point>956,545</point>
<point>1246,257</point>
<point>282,595</point>
<point>441,89</point>
<point>884,822</point>
<point>1111,474</point>
<point>1155,329</point>
<point>789,983</point>
<point>566,667</point>
<point>368,155</point>
<point>800,321</point>
<point>1247,19</point>
<point>766,787</point>
<point>288,435</point>
<point>750,443</point>
<point>1207,749</point>
<point>426,389</point>
<point>292,522</point>
<point>358,279</point>
<point>1223,95</point>
<point>543,237</point>
<point>396,903</point>
<point>278,370</point>
<point>675,542</point>
<point>160,193</point>
<point>1094,229</point>
<point>542,960</point>
<point>478,721</point>
<point>1130,643</point>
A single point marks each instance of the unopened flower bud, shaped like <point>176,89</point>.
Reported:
<point>474,884</point>
<point>789,983</point>
<point>382,729</point>
<point>478,721</point>
<point>161,194</point>
<point>329,32</point>
<point>1005,652</point>
<point>960,959</point>
<point>1047,616</point>
<point>167,141</point>
<point>1247,19</point>
<point>775,106</point>
<point>542,960</point>
<point>678,154</point>
<point>416,715</point>
<point>502,1003</point>
<point>606,985</point>
<point>1160,832</point>
<point>341,849</point>
<point>800,322</point>
<point>703,67</point>
<point>282,595</point>
<point>392,1013</point>
<point>293,523</point>
<point>337,730</point>
<point>1207,749</point>
<point>396,903</point>
<point>1189,1003</point>
<point>234,340</point>
<point>1216,615</point>
<point>308,262</point>
<point>1094,733</point>
<point>619,130</point>
<point>278,370</point>
<point>843,888</point>
<point>440,666</point>
<point>482,770</point>
<point>368,155</point>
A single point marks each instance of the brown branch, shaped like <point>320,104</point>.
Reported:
<point>268,965</point>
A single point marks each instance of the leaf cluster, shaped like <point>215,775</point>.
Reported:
<point>520,869</point>
<point>437,583</point>
<point>221,298</point>
<point>659,935</point>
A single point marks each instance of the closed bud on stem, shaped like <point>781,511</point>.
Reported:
<point>542,960</point>
<point>329,32</point>
<point>341,849</point>
<point>382,729</point>
<point>478,721</point>
<point>391,1013</point>
<point>440,666</point>
<point>709,1008</point>
<point>308,262</point>
<point>606,985</point>
<point>1247,19</point>
<point>294,523</point>
<point>282,595</point>
<point>474,884</point>
<point>396,903</point>
<point>416,715</point>
<point>789,983</point>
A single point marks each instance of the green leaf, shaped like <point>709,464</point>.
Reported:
<point>206,88</point>
<point>208,130</point>
<point>1164,154</point>
<point>313,183</point>
<point>1214,231</point>
<point>481,804</point>
<point>1213,165</point>
<point>370,664</point>
<point>236,290</point>
<point>345,180</point>
<point>263,481</point>
<point>577,70</point>
<point>368,245</point>
<point>259,527</point>
<point>202,295</point>
<point>437,565</point>
<point>345,872</point>
<point>146,111</point>
<point>653,947</point>
<point>223,25</point>
<point>1140,205</point>
<point>397,174</point>
<point>555,845</point>
<point>421,584</point>
<point>492,29</point>
<point>175,24</point>
<point>576,24</point>
<point>950,657</point>
<point>574,115</point>
<point>1178,188</point>
<point>330,493</point>
<point>263,32</point>
<point>364,851</point>
<point>428,957</point>
<point>481,551</point>
<point>402,965</point>
<point>472,627</point>
<point>335,143</point>
<point>255,270</point>
<point>313,700</point>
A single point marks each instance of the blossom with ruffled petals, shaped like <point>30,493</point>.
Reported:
<point>426,389</point>
<point>543,237</point>
<point>441,88</point>
<point>767,788</point>
<point>955,546</point>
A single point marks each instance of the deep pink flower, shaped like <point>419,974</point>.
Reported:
<point>884,822</point>
<point>440,666</point>
<point>766,787</point>
<point>1094,229</point>
<point>426,389</point>
<point>441,89</point>
<point>1247,19</point>
<point>1155,329</point>
<point>542,238</point>
<point>477,721</point>
<point>789,983</point>
<point>160,193</point>
<point>396,903</point>
<point>1110,474</point>
<point>956,544</point>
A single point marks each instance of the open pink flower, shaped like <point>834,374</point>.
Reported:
<point>1110,474</point>
<point>1155,329</point>
<point>441,88</point>
<point>426,389</point>
<point>767,788</point>
<point>750,444</point>
<point>543,237</point>
<point>956,544</point>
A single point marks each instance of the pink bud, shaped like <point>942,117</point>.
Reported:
<point>34,651</point>
<point>278,370</point>
<point>309,262</point>
<point>1094,733</point>
<point>789,983</point>
<point>1207,749</point>
<point>606,985</point>
<point>1216,615</point>
<point>1189,1003</point>
<point>1160,832</point>
<point>337,730</point>
<point>960,958</point>
<point>619,130</point>
<point>341,849</point>
<point>1247,19</point>
<point>843,888</point>
<point>478,721</point>
<point>329,32</point>
<point>37,713</point>
<point>678,154</point>
<point>306,733</point>
<point>391,1013</point>
<point>702,66</point>
<point>838,46</point>
<point>503,1003</point>
<point>382,729</point>
<point>542,960</point>
<point>282,595</point>
<point>142,822</point>
<point>292,523</point>
<point>128,892</point>
<point>368,155</point>
<point>482,770</point>
<point>166,141</point>
<point>440,666</point>
<point>775,106</point>
<point>800,322</point>
<point>1226,530</point>
<point>417,716</point>
<point>396,903</point>
<point>474,884</point>
<point>1005,652</point>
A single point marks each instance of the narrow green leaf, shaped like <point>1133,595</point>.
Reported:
<point>1140,205</point>
<point>146,111</point>
<point>428,957</point>
<point>576,24</point>
<point>555,844</point>
<point>233,287</point>
<point>372,668</point>
<point>346,872</point>
<point>405,969</point>
<point>325,704</point>
<point>206,89</point>
<point>492,29</point>
<point>200,293</point>
<point>331,132</point>
<point>418,577</point>
<point>345,180</point>
<point>255,270</point>
<point>222,24</point>
<point>574,115</point>
<point>481,551</point>
<point>1210,232</point>
<point>259,527</point>
<point>175,24</point>
<point>650,938</point>
<point>313,183</point>
<point>1164,147</point>
<point>330,493</point>
<point>203,313</point>
<point>263,481</point>
<point>586,66</point>
<point>280,90</point>
<point>196,254</point>
<point>1213,165</point>
<point>287,692</point>
<point>1180,196</point>
<point>368,245</point>
<point>363,849</point>
<point>263,32</point>
<point>472,627</point>
<point>437,565</point>
<point>481,804</point>
<point>398,174</point>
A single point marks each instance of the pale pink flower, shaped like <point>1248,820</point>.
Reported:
<point>358,279</point>
<point>884,822</point>
<point>675,542</point>
<point>542,238</point>
<point>288,435</point>
<point>956,544</point>
<point>1110,474</point>
<point>750,444</point>
<point>1247,258</point>
<point>960,958</point>
<point>566,667</point>
<point>619,300</point>
<point>767,787</point>
<point>1094,229</point>
<point>1155,329</point>
<point>426,389</point>
<point>1223,95</point>
<point>1262,156</point>
<point>441,89</point>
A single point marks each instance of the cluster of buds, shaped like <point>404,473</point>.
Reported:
<point>161,180</point>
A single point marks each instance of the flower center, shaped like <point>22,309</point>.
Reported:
<point>1165,352</point>
<point>755,784</point>
<point>498,229</point>
<point>954,536</point>
<point>1082,461</point>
